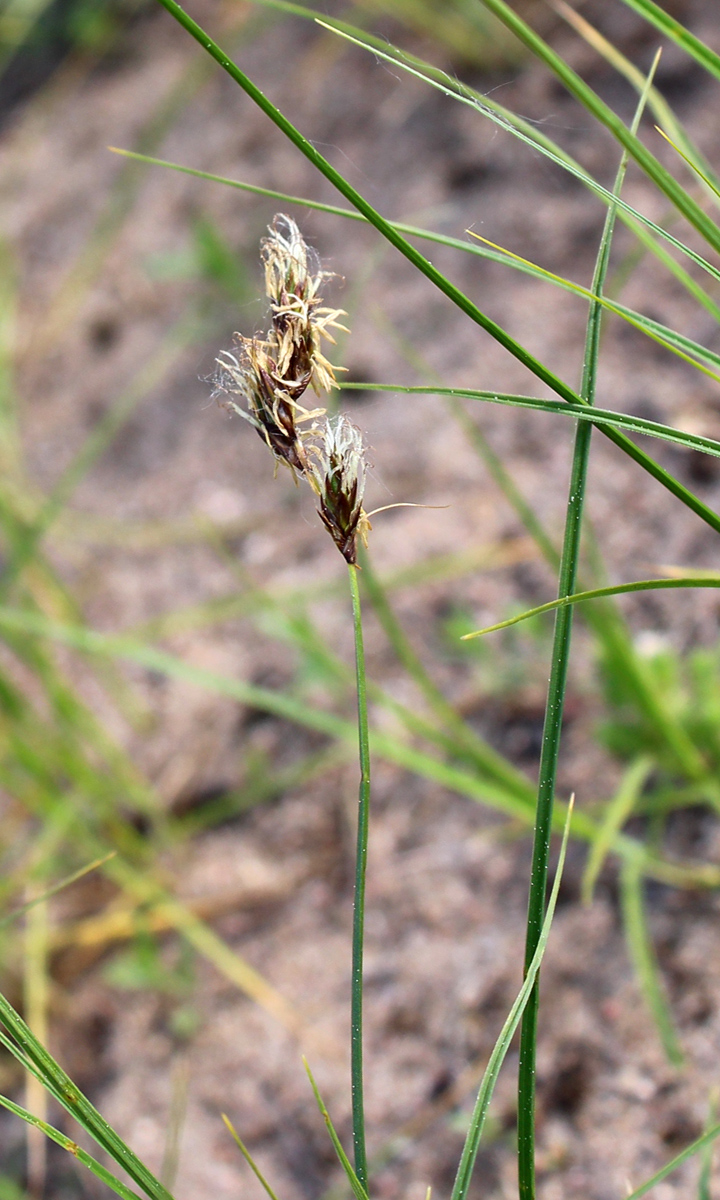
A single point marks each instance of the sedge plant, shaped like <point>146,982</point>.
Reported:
<point>266,379</point>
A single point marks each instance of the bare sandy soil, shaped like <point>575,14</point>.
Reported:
<point>447,878</point>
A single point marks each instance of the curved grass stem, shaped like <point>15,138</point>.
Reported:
<point>356,1002</point>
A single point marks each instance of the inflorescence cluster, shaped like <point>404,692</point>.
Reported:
<point>271,374</point>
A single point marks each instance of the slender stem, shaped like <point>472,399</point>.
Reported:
<point>544,810</point>
<point>356,1000</point>
<point>556,699</point>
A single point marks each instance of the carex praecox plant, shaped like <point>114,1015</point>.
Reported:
<point>270,375</point>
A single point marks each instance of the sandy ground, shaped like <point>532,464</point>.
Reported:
<point>447,878</point>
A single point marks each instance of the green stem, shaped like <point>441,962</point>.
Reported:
<point>356,1000</point>
<point>555,702</point>
<point>544,810</point>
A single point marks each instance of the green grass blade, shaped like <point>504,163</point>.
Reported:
<point>678,34</point>
<point>656,101</point>
<point>436,277</point>
<point>52,1076</point>
<point>616,813</point>
<point>77,1152</point>
<point>248,1157</point>
<point>643,958</point>
<point>358,1190</point>
<point>555,703</point>
<point>696,170</point>
<point>458,92</point>
<point>661,333</point>
<point>694,1148</point>
<point>57,887</point>
<point>502,1045</point>
<point>653,168</point>
<point>619,589</point>
<point>583,412</point>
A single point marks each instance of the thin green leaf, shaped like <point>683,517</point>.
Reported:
<point>677,1161</point>
<point>639,585</point>
<point>459,92</point>
<point>597,416</point>
<point>678,34</point>
<point>555,702</point>
<point>357,1188</point>
<point>502,1045</point>
<point>361,854</point>
<point>644,960</point>
<point>248,1157</point>
<point>57,887</point>
<point>55,1080</point>
<point>77,1152</point>
<point>692,164</point>
<point>652,167</point>
<point>616,812</point>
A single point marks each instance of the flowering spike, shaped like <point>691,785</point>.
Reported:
<point>271,409</point>
<point>337,474</point>
<point>271,374</point>
<point>293,278</point>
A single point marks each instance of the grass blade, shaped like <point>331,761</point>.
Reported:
<point>694,1147</point>
<point>583,412</point>
<point>57,887</point>
<point>643,958</point>
<point>555,703</point>
<point>616,813</point>
<point>357,1188</point>
<point>678,34</point>
<point>502,1045</point>
<point>640,585</point>
<point>248,1157</point>
<point>653,168</point>
<point>66,1143</point>
<point>51,1074</point>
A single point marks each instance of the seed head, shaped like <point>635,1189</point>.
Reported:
<point>337,474</point>
<point>271,374</point>
<point>271,408</point>
<point>293,278</point>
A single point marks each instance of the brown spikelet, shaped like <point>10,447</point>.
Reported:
<point>271,374</point>
<point>337,474</point>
